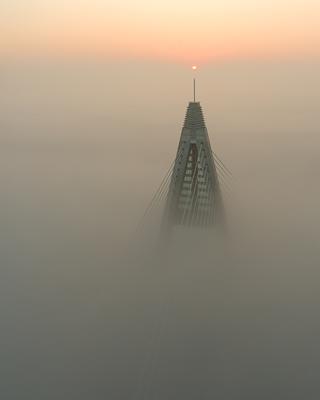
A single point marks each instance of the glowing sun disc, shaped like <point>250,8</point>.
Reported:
<point>194,67</point>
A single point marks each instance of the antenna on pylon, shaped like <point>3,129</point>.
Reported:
<point>194,67</point>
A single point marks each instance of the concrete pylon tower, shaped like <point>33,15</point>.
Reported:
<point>194,197</point>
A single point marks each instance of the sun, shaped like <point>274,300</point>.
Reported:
<point>194,67</point>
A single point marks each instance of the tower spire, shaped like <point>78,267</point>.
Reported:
<point>194,68</point>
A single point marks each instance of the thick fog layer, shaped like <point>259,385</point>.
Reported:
<point>90,310</point>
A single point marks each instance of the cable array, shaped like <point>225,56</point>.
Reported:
<point>192,204</point>
<point>224,174</point>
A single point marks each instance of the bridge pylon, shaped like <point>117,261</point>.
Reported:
<point>194,196</point>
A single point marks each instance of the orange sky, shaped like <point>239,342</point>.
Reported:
<point>177,30</point>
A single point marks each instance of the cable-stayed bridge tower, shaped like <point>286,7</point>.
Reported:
<point>194,197</point>
<point>190,194</point>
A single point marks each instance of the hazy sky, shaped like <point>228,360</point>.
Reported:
<point>85,142</point>
<point>177,30</point>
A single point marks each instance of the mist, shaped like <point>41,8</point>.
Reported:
<point>89,308</point>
